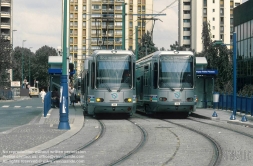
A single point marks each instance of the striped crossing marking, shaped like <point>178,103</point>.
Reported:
<point>28,107</point>
<point>5,106</point>
<point>17,106</point>
<point>39,107</point>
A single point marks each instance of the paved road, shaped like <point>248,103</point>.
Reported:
<point>17,113</point>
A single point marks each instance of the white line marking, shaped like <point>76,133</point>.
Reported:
<point>6,106</point>
<point>28,107</point>
<point>17,106</point>
<point>39,107</point>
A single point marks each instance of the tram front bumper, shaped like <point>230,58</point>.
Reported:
<point>113,107</point>
<point>175,106</point>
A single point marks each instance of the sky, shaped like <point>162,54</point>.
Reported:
<point>39,23</point>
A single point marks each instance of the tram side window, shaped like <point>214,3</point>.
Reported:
<point>93,75</point>
<point>155,74</point>
<point>133,75</point>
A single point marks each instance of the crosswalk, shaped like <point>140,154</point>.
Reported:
<point>18,106</point>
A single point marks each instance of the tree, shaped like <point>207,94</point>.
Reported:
<point>177,47</point>
<point>5,62</point>
<point>218,57</point>
<point>146,45</point>
<point>40,65</point>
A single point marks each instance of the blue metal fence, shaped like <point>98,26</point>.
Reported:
<point>47,103</point>
<point>244,104</point>
<point>6,95</point>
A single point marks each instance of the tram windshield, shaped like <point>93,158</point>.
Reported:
<point>114,72</point>
<point>176,72</point>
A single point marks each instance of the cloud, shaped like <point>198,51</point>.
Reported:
<point>37,22</point>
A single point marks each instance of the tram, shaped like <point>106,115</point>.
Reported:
<point>165,82</point>
<point>108,82</point>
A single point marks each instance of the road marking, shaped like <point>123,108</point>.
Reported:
<point>39,107</point>
<point>28,107</point>
<point>5,106</point>
<point>17,106</point>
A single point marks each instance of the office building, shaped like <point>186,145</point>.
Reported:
<point>243,25</point>
<point>97,24</point>
<point>192,14</point>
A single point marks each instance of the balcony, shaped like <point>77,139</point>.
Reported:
<point>5,14</point>
<point>5,25</point>
<point>6,3</point>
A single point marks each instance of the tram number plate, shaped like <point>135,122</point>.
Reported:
<point>177,103</point>
<point>114,104</point>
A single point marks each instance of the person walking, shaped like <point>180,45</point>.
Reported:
<point>72,95</point>
<point>42,95</point>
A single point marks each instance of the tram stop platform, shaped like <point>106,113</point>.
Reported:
<point>40,134</point>
<point>223,115</point>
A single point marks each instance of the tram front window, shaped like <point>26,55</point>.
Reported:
<point>114,73</point>
<point>176,72</point>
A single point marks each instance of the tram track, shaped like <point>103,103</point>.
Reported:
<point>217,150</point>
<point>73,152</point>
<point>144,136</point>
<point>222,127</point>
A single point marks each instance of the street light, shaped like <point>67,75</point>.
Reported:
<point>12,49</point>
<point>29,69</point>
<point>22,63</point>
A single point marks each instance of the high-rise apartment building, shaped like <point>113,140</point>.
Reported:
<point>97,24</point>
<point>6,18</point>
<point>192,14</point>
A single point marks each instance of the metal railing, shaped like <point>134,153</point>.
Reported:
<point>244,104</point>
<point>47,103</point>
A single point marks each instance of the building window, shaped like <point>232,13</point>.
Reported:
<point>213,10</point>
<point>187,29</point>
<point>213,36</point>
<point>187,3</point>
<point>76,7</point>
<point>186,37</point>
<point>213,1</point>
<point>187,12</point>
<point>186,20</point>
<point>204,11</point>
<point>213,27</point>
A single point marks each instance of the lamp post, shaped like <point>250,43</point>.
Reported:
<point>12,49</point>
<point>22,63</point>
<point>29,69</point>
<point>64,104</point>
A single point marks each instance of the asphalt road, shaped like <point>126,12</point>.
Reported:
<point>17,113</point>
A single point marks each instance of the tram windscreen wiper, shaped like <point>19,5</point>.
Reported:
<point>107,87</point>
<point>126,80</point>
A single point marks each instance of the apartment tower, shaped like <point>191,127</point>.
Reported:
<point>192,14</point>
<point>6,30</point>
<point>97,24</point>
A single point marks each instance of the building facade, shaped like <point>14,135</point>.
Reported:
<point>192,14</point>
<point>98,24</point>
<point>243,25</point>
<point>6,20</point>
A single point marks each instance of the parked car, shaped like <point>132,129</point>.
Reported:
<point>34,92</point>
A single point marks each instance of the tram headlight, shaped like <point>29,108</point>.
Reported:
<point>128,100</point>
<point>99,99</point>
<point>163,99</point>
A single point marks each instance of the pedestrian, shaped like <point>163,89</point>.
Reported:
<point>42,95</point>
<point>55,98</point>
<point>72,95</point>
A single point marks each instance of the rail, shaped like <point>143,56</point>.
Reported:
<point>47,103</point>
<point>244,104</point>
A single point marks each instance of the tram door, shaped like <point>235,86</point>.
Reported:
<point>146,82</point>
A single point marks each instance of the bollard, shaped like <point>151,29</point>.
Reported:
<point>215,99</point>
<point>244,118</point>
